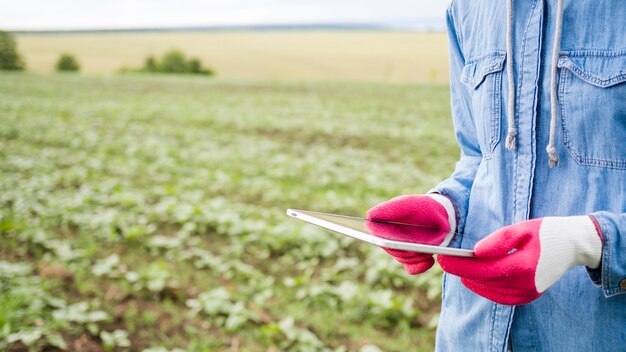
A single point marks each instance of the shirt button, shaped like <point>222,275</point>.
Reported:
<point>622,284</point>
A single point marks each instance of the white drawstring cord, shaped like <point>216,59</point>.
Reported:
<point>511,136</point>
<point>553,158</point>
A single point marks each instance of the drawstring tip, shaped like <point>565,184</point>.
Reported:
<point>553,162</point>
<point>553,158</point>
<point>511,140</point>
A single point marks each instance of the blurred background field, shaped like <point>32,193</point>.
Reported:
<point>144,211</point>
<point>154,206</point>
<point>388,56</point>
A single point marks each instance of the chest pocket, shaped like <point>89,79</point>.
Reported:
<point>592,104</point>
<point>483,75</point>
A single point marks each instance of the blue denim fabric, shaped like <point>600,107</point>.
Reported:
<point>492,187</point>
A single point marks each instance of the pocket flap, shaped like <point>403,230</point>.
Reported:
<point>476,69</point>
<point>598,67</point>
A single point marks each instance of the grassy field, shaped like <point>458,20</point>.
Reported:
<point>147,213</point>
<point>303,55</point>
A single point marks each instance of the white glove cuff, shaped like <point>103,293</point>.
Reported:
<point>565,243</point>
<point>447,204</point>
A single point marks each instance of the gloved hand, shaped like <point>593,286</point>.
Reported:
<point>517,263</point>
<point>434,216</point>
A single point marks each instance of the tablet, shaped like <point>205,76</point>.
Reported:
<point>362,229</point>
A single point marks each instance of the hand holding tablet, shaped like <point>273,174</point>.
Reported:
<point>435,220</point>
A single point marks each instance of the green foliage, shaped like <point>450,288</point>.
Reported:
<point>150,65</point>
<point>222,310</point>
<point>149,210</point>
<point>116,338</point>
<point>175,61</point>
<point>195,66</point>
<point>287,335</point>
<point>30,315</point>
<point>67,63</point>
<point>10,59</point>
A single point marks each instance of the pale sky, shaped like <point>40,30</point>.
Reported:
<point>92,14</point>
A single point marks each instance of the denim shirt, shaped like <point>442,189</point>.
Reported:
<point>492,186</point>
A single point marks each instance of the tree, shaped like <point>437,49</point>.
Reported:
<point>67,63</point>
<point>150,65</point>
<point>195,66</point>
<point>174,61</point>
<point>10,59</point>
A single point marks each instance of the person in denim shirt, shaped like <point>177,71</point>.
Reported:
<point>538,96</point>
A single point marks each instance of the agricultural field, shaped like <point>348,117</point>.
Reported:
<point>147,213</point>
<point>381,56</point>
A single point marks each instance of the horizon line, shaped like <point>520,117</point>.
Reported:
<point>421,25</point>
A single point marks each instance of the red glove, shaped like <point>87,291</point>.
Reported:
<point>435,221</point>
<point>517,263</point>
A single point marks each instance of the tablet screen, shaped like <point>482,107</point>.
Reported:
<point>384,234</point>
<point>383,229</point>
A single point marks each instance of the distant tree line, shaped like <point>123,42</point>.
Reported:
<point>11,60</point>
<point>175,61</point>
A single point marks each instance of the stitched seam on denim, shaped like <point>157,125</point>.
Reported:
<point>590,78</point>
<point>600,53</point>
<point>493,325</point>
<point>477,77</point>
<point>515,157</point>
<point>533,323</point>
<point>574,152</point>
<point>524,42</point>
<point>465,77</point>
<point>515,177</point>
<point>509,325</point>
<point>521,76</point>
<point>517,100</point>
<point>515,184</point>
<point>606,277</point>
<point>489,139</point>
<point>606,257</point>
<point>618,164</point>
<point>536,87</point>
<point>496,115</point>
<point>605,269</point>
<point>566,141</point>
<point>498,54</point>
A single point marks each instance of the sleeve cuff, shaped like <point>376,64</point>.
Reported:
<point>459,201</point>
<point>452,218</point>
<point>611,273</point>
